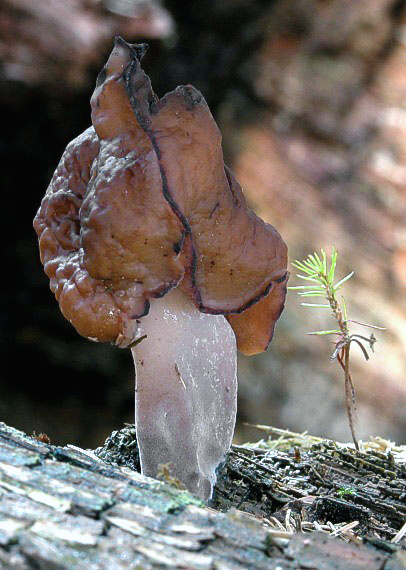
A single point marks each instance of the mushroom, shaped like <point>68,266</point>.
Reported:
<point>148,243</point>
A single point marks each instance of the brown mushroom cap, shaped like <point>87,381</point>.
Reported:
<point>128,229</point>
<point>109,240</point>
<point>159,208</point>
<point>254,327</point>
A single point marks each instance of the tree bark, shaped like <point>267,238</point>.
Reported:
<point>67,508</point>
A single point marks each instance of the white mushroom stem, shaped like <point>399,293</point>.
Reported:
<point>186,391</point>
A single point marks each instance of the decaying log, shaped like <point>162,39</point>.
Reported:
<point>328,482</point>
<point>65,508</point>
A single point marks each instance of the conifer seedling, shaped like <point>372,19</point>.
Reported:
<point>320,272</point>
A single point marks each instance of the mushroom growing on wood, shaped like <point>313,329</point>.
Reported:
<point>148,243</point>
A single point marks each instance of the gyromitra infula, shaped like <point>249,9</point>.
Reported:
<point>148,243</point>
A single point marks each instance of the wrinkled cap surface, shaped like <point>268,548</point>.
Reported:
<point>141,203</point>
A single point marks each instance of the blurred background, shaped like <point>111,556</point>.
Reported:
<point>310,96</point>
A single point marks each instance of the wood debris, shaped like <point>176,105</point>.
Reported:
<point>101,515</point>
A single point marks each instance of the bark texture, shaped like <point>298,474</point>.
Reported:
<point>64,508</point>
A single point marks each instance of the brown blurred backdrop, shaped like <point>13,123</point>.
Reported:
<point>311,98</point>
